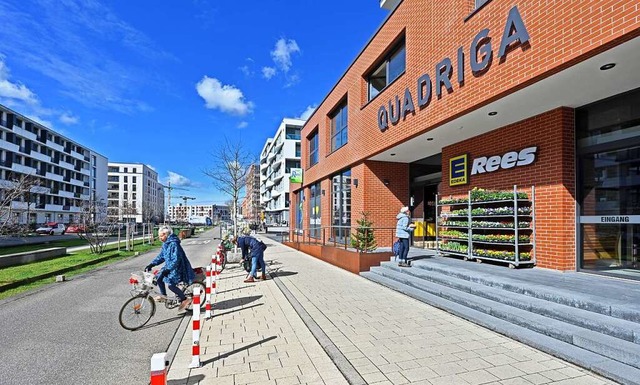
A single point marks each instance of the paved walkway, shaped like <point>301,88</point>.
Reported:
<point>314,323</point>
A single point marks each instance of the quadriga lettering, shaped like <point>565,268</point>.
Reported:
<point>480,58</point>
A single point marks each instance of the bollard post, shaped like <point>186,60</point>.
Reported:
<point>207,311</point>
<point>159,369</point>
<point>195,349</point>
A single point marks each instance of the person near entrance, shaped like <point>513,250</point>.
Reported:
<point>404,228</point>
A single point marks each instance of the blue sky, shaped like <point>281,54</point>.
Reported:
<point>161,82</point>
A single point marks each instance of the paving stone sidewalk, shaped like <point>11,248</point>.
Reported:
<point>256,336</point>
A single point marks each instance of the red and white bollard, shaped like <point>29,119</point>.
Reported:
<point>208,299</point>
<point>159,369</point>
<point>195,350</point>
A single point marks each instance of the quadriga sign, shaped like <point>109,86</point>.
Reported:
<point>480,59</point>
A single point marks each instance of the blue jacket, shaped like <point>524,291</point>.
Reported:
<point>175,261</point>
<point>402,226</point>
<point>250,244</point>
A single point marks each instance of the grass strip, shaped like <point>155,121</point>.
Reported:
<point>17,279</point>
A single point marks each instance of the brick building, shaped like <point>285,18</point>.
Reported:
<point>479,85</point>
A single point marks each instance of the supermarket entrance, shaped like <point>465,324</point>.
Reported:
<point>426,175</point>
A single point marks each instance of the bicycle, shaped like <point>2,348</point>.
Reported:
<point>138,310</point>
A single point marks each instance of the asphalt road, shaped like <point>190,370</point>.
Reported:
<point>68,333</point>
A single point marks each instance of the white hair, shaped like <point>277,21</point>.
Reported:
<point>165,230</point>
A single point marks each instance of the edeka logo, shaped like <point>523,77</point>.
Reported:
<point>480,59</point>
<point>458,170</point>
<point>511,159</point>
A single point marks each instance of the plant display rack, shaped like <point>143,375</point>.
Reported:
<point>488,225</point>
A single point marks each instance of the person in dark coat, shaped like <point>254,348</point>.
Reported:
<point>176,269</point>
<point>249,244</point>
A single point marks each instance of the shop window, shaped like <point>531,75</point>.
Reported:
<point>315,230</point>
<point>392,66</point>
<point>313,148</point>
<point>339,127</point>
<point>341,206</point>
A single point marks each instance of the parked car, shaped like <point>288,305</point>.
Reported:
<point>51,228</point>
<point>75,228</point>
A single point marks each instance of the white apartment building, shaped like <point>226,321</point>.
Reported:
<point>279,155</point>
<point>135,195</point>
<point>69,176</point>
<point>182,212</point>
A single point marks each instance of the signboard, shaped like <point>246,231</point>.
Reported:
<point>296,175</point>
<point>459,170</point>
<point>610,219</point>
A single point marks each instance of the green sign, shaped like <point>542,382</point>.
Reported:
<point>296,175</point>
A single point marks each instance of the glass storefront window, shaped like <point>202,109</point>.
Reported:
<point>315,223</point>
<point>608,147</point>
<point>341,206</point>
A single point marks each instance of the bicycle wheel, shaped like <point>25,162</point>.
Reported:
<point>223,263</point>
<point>136,312</point>
<point>189,293</point>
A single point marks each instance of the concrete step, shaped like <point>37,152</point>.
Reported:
<point>598,322</point>
<point>574,298</point>
<point>481,314</point>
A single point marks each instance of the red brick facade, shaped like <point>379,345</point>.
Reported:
<point>561,35</point>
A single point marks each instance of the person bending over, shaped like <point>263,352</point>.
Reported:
<point>255,247</point>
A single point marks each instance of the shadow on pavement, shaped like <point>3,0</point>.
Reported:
<point>193,380</point>
<point>176,318</point>
<point>225,355</point>
<point>235,310</point>
<point>280,273</point>
<point>231,303</point>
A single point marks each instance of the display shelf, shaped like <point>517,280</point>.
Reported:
<point>492,234</point>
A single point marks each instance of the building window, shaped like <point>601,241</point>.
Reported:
<point>480,3</point>
<point>314,211</point>
<point>339,129</point>
<point>313,149</point>
<point>341,206</point>
<point>389,70</point>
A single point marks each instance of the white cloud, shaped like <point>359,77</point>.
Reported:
<point>69,119</point>
<point>243,124</point>
<point>177,180</point>
<point>226,98</point>
<point>307,113</point>
<point>281,54</point>
<point>268,72</point>
<point>151,167</point>
<point>246,71</point>
<point>14,90</point>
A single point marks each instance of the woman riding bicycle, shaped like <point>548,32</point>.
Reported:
<point>176,269</point>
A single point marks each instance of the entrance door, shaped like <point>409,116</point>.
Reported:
<point>610,217</point>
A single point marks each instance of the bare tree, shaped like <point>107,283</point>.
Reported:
<point>15,198</point>
<point>229,173</point>
<point>95,225</point>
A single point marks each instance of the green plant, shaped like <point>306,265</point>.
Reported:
<point>364,239</point>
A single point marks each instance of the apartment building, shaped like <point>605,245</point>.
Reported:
<point>67,177</point>
<point>251,203</point>
<point>279,155</point>
<point>134,193</point>
<point>182,212</point>
<point>487,95</point>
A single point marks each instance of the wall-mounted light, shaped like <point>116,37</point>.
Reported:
<point>355,182</point>
<point>386,182</point>
<point>607,66</point>
<point>322,192</point>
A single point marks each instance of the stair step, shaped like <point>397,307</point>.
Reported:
<point>575,299</point>
<point>597,363</point>
<point>615,327</point>
<point>615,348</point>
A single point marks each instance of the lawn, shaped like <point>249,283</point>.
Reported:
<point>17,273</point>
